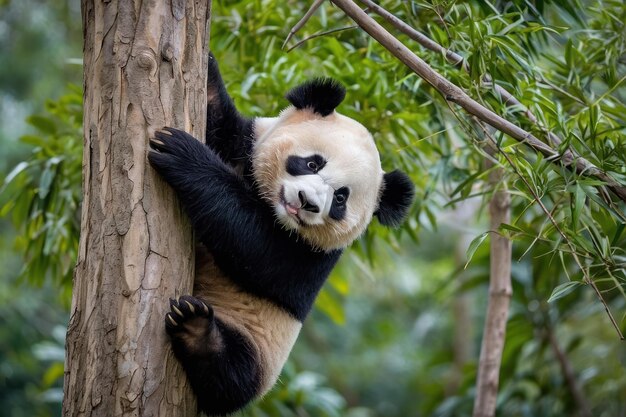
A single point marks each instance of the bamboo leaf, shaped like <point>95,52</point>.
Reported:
<point>579,204</point>
<point>474,244</point>
<point>563,289</point>
<point>15,172</point>
<point>43,124</point>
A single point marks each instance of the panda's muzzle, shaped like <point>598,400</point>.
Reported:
<point>291,210</point>
<point>306,205</point>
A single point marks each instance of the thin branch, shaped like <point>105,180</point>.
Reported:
<point>454,94</point>
<point>316,5</point>
<point>452,57</point>
<point>455,59</point>
<point>317,35</point>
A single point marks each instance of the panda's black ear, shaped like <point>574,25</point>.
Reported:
<point>322,95</point>
<point>396,199</point>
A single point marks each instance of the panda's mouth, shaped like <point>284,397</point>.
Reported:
<point>291,210</point>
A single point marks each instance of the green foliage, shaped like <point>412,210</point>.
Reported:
<point>441,146</point>
<point>561,59</point>
<point>42,193</point>
<point>31,351</point>
<point>36,41</point>
<point>298,395</point>
<point>399,351</point>
<point>569,75</point>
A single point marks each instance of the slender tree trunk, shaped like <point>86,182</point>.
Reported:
<point>500,292</point>
<point>144,67</point>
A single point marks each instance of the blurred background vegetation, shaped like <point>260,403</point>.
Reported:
<point>397,330</point>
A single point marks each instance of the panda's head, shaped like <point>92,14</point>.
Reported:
<point>321,172</point>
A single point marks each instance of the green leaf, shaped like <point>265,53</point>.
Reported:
<point>53,374</point>
<point>33,140</point>
<point>579,204</point>
<point>43,124</point>
<point>510,230</point>
<point>471,249</point>
<point>563,289</point>
<point>618,233</point>
<point>15,172</point>
<point>46,181</point>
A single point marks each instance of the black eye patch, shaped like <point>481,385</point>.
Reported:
<point>309,165</point>
<point>339,206</point>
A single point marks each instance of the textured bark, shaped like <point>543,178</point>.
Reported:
<point>144,68</point>
<point>500,292</point>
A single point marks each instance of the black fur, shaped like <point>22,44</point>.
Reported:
<point>396,199</point>
<point>322,95</point>
<point>298,165</point>
<point>221,388</point>
<point>238,227</point>
<point>339,206</point>
<point>240,231</point>
<point>227,131</point>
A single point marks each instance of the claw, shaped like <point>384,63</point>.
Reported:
<point>191,307</point>
<point>177,311</point>
<point>171,320</point>
<point>205,307</point>
<point>165,132</point>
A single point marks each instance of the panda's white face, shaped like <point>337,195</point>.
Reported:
<point>322,175</point>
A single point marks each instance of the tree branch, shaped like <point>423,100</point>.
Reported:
<point>316,5</point>
<point>459,61</point>
<point>452,57</point>
<point>317,35</point>
<point>454,94</point>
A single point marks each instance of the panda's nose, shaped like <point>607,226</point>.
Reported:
<point>307,205</point>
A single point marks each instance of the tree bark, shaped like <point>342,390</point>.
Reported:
<point>500,292</point>
<point>144,68</point>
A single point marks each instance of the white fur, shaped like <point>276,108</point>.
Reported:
<point>352,161</point>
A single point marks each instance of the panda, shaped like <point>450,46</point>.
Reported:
<point>273,202</point>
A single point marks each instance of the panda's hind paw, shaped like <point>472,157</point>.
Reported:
<point>192,327</point>
<point>183,312</point>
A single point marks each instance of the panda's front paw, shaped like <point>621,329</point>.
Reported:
<point>171,141</point>
<point>173,150</point>
<point>191,326</point>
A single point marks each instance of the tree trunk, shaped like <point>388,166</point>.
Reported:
<point>144,68</point>
<point>500,292</point>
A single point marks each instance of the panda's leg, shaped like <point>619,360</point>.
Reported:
<point>222,366</point>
